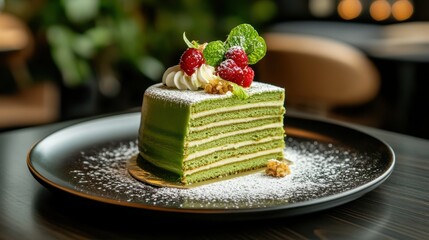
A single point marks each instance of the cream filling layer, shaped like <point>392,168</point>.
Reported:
<point>229,122</point>
<point>233,160</point>
<point>223,135</point>
<point>229,146</point>
<point>236,108</point>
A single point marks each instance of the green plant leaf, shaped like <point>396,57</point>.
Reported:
<point>74,70</point>
<point>257,51</point>
<point>81,11</point>
<point>214,53</point>
<point>83,46</point>
<point>100,36</point>
<point>245,36</point>
<point>193,44</point>
<point>241,35</point>
<point>188,43</point>
<point>240,92</point>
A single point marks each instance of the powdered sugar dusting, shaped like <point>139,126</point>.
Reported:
<point>319,170</point>
<point>187,97</point>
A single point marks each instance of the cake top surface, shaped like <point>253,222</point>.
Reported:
<point>187,97</point>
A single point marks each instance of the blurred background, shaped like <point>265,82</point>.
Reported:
<point>361,61</point>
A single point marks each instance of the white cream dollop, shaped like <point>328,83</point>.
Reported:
<point>176,77</point>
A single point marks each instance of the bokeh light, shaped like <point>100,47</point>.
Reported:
<point>402,10</point>
<point>349,9</point>
<point>380,10</point>
<point>321,8</point>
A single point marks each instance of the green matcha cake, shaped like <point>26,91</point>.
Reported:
<point>208,118</point>
<point>200,136</point>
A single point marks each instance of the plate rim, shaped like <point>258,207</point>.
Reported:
<point>321,203</point>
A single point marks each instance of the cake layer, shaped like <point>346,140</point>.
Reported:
<point>232,151</point>
<point>230,121</point>
<point>222,116</point>
<point>257,97</point>
<point>172,159</point>
<point>228,146</point>
<point>236,108</point>
<point>232,168</point>
<point>208,134</point>
<point>222,136</point>
<point>231,160</point>
<point>230,126</point>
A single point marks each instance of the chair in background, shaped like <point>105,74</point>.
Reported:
<point>33,103</point>
<point>31,106</point>
<point>319,74</point>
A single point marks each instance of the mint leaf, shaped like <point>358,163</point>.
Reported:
<point>237,41</point>
<point>245,36</point>
<point>214,53</point>
<point>241,35</point>
<point>257,51</point>
<point>239,91</point>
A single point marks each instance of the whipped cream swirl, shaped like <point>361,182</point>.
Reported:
<point>176,77</point>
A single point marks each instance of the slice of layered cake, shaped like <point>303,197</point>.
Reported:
<point>200,136</point>
<point>208,118</point>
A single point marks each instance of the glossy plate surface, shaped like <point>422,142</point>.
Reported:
<point>332,165</point>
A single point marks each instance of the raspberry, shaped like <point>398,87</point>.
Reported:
<point>190,60</point>
<point>248,75</point>
<point>239,56</point>
<point>229,70</point>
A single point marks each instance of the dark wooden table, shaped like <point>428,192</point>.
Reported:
<point>397,209</point>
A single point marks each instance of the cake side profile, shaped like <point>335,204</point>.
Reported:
<point>201,136</point>
<point>208,118</point>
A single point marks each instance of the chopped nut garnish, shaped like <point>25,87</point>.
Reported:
<point>277,168</point>
<point>218,86</point>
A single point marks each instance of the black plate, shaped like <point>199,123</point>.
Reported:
<point>333,164</point>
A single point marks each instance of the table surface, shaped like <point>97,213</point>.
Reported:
<point>397,209</point>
